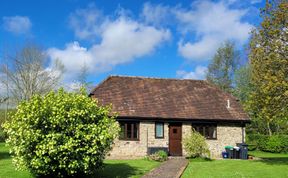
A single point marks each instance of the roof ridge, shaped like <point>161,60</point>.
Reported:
<point>157,78</point>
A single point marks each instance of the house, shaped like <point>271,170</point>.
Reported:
<point>157,113</point>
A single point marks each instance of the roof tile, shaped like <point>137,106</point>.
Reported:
<point>167,99</point>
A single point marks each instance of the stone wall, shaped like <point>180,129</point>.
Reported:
<point>124,149</point>
<point>186,130</point>
<point>227,134</point>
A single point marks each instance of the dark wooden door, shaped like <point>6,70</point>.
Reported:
<point>175,139</point>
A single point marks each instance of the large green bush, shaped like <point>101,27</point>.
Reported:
<point>61,134</point>
<point>195,145</point>
<point>274,143</point>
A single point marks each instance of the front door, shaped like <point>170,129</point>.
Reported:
<point>175,139</point>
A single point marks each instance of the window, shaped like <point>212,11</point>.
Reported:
<point>129,131</point>
<point>209,131</point>
<point>159,130</point>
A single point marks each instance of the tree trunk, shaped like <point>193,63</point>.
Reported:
<point>269,129</point>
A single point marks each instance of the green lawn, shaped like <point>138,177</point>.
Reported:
<point>6,168</point>
<point>271,165</point>
<point>112,168</point>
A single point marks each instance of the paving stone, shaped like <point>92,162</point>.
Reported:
<point>173,168</point>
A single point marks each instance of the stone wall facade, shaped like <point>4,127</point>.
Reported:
<point>227,134</point>
<point>186,130</point>
<point>125,149</point>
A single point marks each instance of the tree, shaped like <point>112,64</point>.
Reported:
<point>83,79</point>
<point>27,75</point>
<point>243,86</point>
<point>269,68</point>
<point>3,99</point>
<point>221,69</point>
<point>61,134</point>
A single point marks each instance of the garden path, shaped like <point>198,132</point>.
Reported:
<point>173,168</point>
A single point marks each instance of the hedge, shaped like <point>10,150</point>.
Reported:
<point>274,143</point>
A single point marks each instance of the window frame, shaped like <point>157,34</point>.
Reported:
<point>155,131</point>
<point>203,127</point>
<point>133,126</point>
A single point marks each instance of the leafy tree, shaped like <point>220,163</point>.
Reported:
<point>27,75</point>
<point>195,145</point>
<point>61,134</point>
<point>243,86</point>
<point>221,69</point>
<point>269,68</point>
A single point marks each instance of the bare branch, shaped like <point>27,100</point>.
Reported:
<point>28,73</point>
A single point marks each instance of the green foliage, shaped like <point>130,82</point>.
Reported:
<point>3,118</point>
<point>2,135</point>
<point>195,145</point>
<point>268,101</point>
<point>159,156</point>
<point>221,69</point>
<point>274,143</point>
<point>243,86</point>
<point>61,134</point>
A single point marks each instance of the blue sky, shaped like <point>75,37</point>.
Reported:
<point>171,39</point>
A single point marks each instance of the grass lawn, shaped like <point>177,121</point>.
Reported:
<point>113,168</point>
<point>271,165</point>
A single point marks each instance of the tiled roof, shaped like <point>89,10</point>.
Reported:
<point>167,99</point>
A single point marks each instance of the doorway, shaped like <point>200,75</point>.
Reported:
<point>175,139</point>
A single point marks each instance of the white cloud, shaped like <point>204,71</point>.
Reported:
<point>156,14</point>
<point>73,86</point>
<point>17,24</point>
<point>122,40</point>
<point>199,73</point>
<point>86,23</point>
<point>211,23</point>
<point>199,50</point>
<point>72,57</point>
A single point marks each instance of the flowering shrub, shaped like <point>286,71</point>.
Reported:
<point>195,145</point>
<point>159,156</point>
<point>61,134</point>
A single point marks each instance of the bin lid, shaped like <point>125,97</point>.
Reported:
<point>229,147</point>
<point>236,148</point>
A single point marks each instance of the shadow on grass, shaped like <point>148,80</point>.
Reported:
<point>4,155</point>
<point>275,160</point>
<point>119,170</point>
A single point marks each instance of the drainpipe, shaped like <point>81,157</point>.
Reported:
<point>243,132</point>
